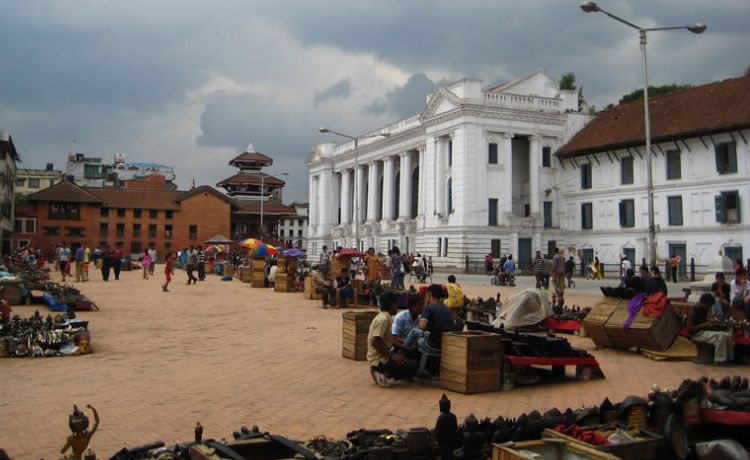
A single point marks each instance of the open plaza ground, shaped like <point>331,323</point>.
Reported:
<point>228,355</point>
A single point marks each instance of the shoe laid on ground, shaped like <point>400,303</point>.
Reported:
<point>379,378</point>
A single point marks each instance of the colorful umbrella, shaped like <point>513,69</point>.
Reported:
<point>214,247</point>
<point>250,243</point>
<point>349,252</point>
<point>294,252</point>
<point>263,250</point>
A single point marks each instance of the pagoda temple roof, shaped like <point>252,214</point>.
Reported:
<point>252,178</point>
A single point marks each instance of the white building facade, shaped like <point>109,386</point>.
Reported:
<point>293,228</point>
<point>463,178</point>
<point>700,170</point>
<point>499,171</point>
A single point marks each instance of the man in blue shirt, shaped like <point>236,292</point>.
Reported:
<point>79,263</point>
<point>406,323</point>
<point>510,270</point>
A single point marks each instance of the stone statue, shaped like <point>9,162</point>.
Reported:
<point>446,429</point>
<point>79,440</point>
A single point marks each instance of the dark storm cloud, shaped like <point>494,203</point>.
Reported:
<point>137,76</point>
<point>405,100</point>
<point>340,90</point>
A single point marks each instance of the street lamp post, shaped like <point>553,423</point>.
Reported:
<point>356,167</point>
<point>262,198</point>
<point>697,28</point>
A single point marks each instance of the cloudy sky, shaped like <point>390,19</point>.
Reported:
<point>190,83</point>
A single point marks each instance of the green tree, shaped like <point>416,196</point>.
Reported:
<point>653,91</point>
<point>568,81</point>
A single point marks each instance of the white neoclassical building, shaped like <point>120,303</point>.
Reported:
<point>517,168</point>
<point>464,177</point>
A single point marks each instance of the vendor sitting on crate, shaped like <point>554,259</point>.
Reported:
<point>436,319</point>
<point>384,363</point>
<point>700,329</point>
<point>343,286</point>
<point>322,286</point>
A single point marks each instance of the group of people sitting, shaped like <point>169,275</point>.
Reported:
<point>400,345</point>
<point>648,282</point>
<point>726,299</point>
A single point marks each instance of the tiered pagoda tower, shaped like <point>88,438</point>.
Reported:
<point>250,187</point>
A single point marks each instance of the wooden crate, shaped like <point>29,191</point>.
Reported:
<point>548,448</point>
<point>474,350</point>
<point>284,282</point>
<point>12,291</point>
<point>470,362</point>
<point>654,334</point>
<point>645,449</point>
<point>229,269</point>
<point>614,327</point>
<point>355,328</point>
<point>309,291</point>
<point>244,273</point>
<point>597,318</point>
<point>338,263</point>
<point>258,279</point>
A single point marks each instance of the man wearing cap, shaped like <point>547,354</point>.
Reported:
<point>384,362</point>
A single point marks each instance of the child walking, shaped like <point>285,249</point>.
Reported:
<point>146,263</point>
<point>168,271</point>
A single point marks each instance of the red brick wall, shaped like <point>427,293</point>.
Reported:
<point>209,213</point>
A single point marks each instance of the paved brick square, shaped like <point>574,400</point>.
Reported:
<point>228,355</point>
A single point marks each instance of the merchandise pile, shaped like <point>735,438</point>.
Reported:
<point>528,344</point>
<point>36,337</point>
<point>632,428</point>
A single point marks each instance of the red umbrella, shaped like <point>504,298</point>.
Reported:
<point>348,252</point>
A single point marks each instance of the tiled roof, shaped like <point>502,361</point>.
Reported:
<point>207,189</point>
<point>137,198</point>
<point>65,192</point>
<point>703,110</point>
<point>251,178</point>
<point>269,207</point>
<point>253,157</point>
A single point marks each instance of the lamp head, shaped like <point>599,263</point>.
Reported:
<point>589,7</point>
<point>697,28</point>
<point>323,130</point>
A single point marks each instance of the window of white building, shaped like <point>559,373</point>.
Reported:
<point>34,182</point>
<point>492,211</point>
<point>547,214</point>
<point>546,157</point>
<point>674,208</point>
<point>586,176</point>
<point>728,207</point>
<point>587,216</point>
<point>627,213</point>
<point>492,154</point>
<point>450,195</point>
<point>674,165</point>
<point>626,170</point>
<point>726,158</point>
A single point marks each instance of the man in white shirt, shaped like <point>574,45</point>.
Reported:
<point>625,265</point>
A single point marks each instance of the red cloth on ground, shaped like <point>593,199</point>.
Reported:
<point>582,434</point>
<point>655,304</point>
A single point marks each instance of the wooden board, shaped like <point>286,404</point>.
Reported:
<point>470,381</point>
<point>597,318</point>
<point>471,350</point>
<point>258,279</point>
<point>614,329</point>
<point>355,327</point>
<point>654,334</point>
<point>642,449</point>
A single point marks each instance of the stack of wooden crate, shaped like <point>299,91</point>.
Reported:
<point>597,318</point>
<point>258,276</point>
<point>285,271</point>
<point>470,362</point>
<point>310,290</point>
<point>356,326</point>
<point>229,269</point>
<point>244,273</point>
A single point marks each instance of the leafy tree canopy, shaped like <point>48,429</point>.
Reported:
<point>568,81</point>
<point>653,91</point>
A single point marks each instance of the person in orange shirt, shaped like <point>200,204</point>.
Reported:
<point>168,271</point>
<point>372,262</point>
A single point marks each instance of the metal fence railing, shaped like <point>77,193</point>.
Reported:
<point>687,272</point>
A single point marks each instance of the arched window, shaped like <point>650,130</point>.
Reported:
<point>414,192</point>
<point>450,195</point>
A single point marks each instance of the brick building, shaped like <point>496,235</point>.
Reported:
<point>130,218</point>
<point>8,159</point>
